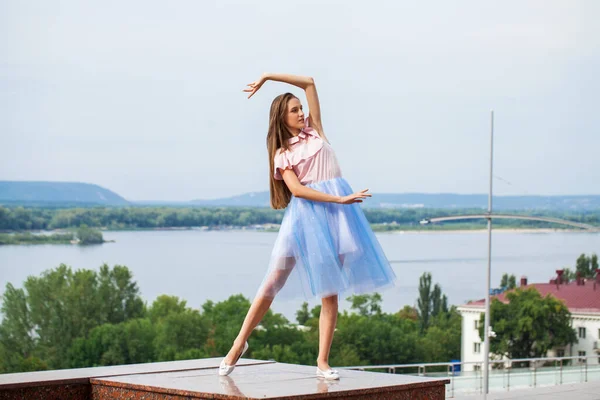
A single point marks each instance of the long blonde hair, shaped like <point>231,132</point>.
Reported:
<point>277,137</point>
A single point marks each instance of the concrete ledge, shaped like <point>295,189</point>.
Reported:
<point>198,379</point>
<point>268,381</point>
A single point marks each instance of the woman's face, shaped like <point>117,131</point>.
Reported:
<point>294,118</point>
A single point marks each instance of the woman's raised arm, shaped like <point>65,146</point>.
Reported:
<point>303,82</point>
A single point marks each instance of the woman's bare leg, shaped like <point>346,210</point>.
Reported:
<point>327,322</point>
<point>259,307</point>
<point>257,311</point>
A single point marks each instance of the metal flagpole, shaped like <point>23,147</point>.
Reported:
<point>486,327</point>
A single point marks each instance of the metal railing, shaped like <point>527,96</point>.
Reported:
<point>504,374</point>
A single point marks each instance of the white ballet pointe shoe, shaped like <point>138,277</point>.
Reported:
<point>225,369</point>
<point>330,374</point>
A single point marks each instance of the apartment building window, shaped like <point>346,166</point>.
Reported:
<point>582,333</point>
<point>560,353</point>
<point>477,348</point>
<point>582,354</point>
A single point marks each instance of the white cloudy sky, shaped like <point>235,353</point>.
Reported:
<point>144,97</point>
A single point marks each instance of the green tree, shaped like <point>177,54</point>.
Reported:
<point>377,339</point>
<point>583,266</point>
<point>439,301</point>
<point>165,305</point>
<point>181,335</point>
<point>16,341</point>
<point>104,345</point>
<point>278,352</point>
<point>89,236</point>
<point>529,325</point>
<point>442,340</point>
<point>568,275</point>
<point>303,315</point>
<point>366,304</point>
<point>424,301</point>
<point>346,355</point>
<point>408,312</point>
<point>586,266</point>
<point>431,302</point>
<point>129,342</point>
<point>51,311</point>
<point>225,319</point>
<point>118,295</point>
<point>315,311</point>
<point>508,281</point>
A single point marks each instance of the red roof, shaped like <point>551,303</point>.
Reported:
<point>578,298</point>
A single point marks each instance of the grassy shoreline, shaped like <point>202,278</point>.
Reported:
<point>80,236</point>
<point>62,236</point>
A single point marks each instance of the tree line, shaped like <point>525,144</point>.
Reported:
<point>21,218</point>
<point>85,318</point>
<point>82,235</point>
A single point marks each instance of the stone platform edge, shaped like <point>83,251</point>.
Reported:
<point>82,376</point>
<point>434,390</point>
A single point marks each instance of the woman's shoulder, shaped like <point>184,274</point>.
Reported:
<point>316,128</point>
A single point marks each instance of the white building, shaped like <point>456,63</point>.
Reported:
<point>581,297</point>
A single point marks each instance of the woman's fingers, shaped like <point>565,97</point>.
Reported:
<point>251,91</point>
<point>359,196</point>
<point>356,197</point>
<point>252,88</point>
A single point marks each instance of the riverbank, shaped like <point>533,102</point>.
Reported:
<point>30,239</point>
<point>272,228</point>
<point>495,230</point>
<point>61,236</point>
<point>81,236</point>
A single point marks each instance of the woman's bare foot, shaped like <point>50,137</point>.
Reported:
<point>234,354</point>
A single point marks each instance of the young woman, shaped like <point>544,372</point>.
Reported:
<point>325,245</point>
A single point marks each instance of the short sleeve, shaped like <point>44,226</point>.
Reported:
<point>281,162</point>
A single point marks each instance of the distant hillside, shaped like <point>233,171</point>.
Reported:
<point>437,200</point>
<point>54,193</point>
<point>255,199</point>
<point>68,194</point>
<point>449,200</point>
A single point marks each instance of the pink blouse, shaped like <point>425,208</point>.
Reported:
<point>311,158</point>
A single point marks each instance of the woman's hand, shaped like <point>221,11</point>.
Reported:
<point>254,86</point>
<point>355,197</point>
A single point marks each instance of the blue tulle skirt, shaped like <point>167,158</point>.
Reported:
<point>324,249</point>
